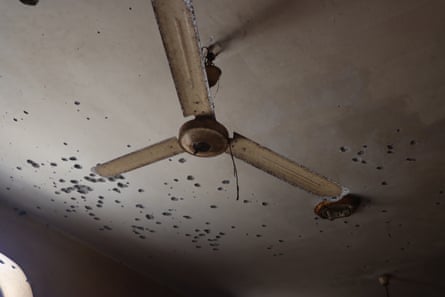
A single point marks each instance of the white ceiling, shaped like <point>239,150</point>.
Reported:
<point>304,78</point>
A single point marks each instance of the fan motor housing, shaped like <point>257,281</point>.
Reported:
<point>203,137</point>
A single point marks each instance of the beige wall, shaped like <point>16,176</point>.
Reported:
<point>58,266</point>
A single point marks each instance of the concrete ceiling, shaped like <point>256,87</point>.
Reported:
<point>352,89</point>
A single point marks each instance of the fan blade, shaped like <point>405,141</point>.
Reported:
<point>179,33</point>
<point>142,157</point>
<point>281,167</point>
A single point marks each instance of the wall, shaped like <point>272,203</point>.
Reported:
<point>57,265</point>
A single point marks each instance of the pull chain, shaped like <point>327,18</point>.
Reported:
<point>235,172</point>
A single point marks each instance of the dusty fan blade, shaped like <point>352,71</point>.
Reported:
<point>177,24</point>
<point>281,167</point>
<point>142,157</point>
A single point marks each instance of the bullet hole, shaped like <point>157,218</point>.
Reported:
<point>116,190</point>
<point>73,158</point>
<point>167,214</point>
<point>76,103</point>
<point>53,164</point>
<point>264,225</point>
<point>187,217</point>
<point>360,153</point>
<point>98,32</point>
<point>174,199</point>
<point>412,142</point>
<point>364,162</point>
<point>139,206</point>
<point>149,217</point>
<point>246,201</point>
<point>182,160</point>
<point>280,240</point>
<point>158,223</point>
<point>190,177</point>
<point>140,190</point>
<point>197,185</point>
<point>64,159</point>
<point>384,211</point>
<point>411,159</point>
<point>379,167</point>
<point>128,145</point>
<point>437,203</point>
<point>384,183</point>
<point>357,225</point>
<point>264,203</point>
<point>30,2</point>
<point>175,180</point>
<point>14,119</point>
<point>213,206</point>
<point>390,147</point>
<point>117,201</point>
<point>258,235</point>
<point>122,185</point>
<point>77,166</point>
<point>19,168</point>
<point>226,181</point>
<point>220,188</point>
<point>107,228</point>
<point>355,159</point>
<point>33,164</point>
<point>364,146</point>
<point>344,149</point>
<point>65,143</point>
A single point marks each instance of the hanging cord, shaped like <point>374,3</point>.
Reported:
<point>235,172</point>
<point>387,291</point>
<point>216,91</point>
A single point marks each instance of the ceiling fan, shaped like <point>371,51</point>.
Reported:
<point>203,136</point>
